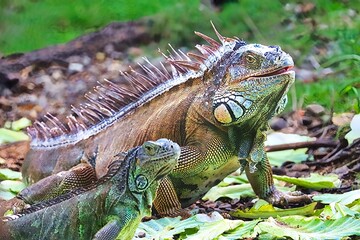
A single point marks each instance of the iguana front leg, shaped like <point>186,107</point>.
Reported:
<point>253,159</point>
<point>262,183</point>
<point>200,166</point>
<point>167,202</point>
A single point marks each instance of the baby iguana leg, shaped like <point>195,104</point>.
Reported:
<point>110,231</point>
<point>262,183</point>
<point>166,202</point>
<point>82,175</point>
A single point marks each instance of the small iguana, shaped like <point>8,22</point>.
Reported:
<point>110,208</point>
<point>216,105</point>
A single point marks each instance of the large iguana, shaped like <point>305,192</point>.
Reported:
<point>112,207</point>
<point>215,104</point>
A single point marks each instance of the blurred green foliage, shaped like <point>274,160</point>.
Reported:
<point>318,34</point>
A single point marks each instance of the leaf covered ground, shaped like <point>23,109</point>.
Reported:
<point>323,37</point>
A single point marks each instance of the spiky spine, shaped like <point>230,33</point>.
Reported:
<point>109,102</point>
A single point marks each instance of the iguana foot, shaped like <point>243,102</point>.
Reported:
<point>184,214</point>
<point>167,203</point>
<point>226,215</point>
<point>281,199</point>
<point>174,212</point>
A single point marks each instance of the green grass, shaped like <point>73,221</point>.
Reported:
<point>327,92</point>
<point>328,33</point>
<point>28,25</point>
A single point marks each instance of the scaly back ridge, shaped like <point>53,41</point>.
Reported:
<point>109,102</point>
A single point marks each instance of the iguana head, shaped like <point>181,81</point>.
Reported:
<point>254,84</point>
<point>152,161</point>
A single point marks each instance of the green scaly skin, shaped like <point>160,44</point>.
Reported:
<point>111,208</point>
<point>218,114</point>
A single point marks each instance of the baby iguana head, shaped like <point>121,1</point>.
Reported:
<point>153,160</point>
<point>254,84</point>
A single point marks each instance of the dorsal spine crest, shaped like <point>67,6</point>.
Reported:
<point>109,102</point>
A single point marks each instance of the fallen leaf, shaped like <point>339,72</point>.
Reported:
<point>355,129</point>
<point>8,174</point>
<point>299,227</point>
<point>263,209</point>
<point>345,198</point>
<point>8,136</point>
<point>315,181</point>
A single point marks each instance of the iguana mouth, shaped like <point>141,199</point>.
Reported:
<point>276,72</point>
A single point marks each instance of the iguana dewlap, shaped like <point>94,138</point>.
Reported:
<point>110,208</point>
<point>215,104</point>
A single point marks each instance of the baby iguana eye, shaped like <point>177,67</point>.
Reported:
<point>150,148</point>
<point>141,182</point>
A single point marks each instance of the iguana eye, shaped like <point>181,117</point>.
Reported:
<point>250,58</point>
<point>141,182</point>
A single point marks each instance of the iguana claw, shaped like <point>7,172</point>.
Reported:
<point>281,199</point>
